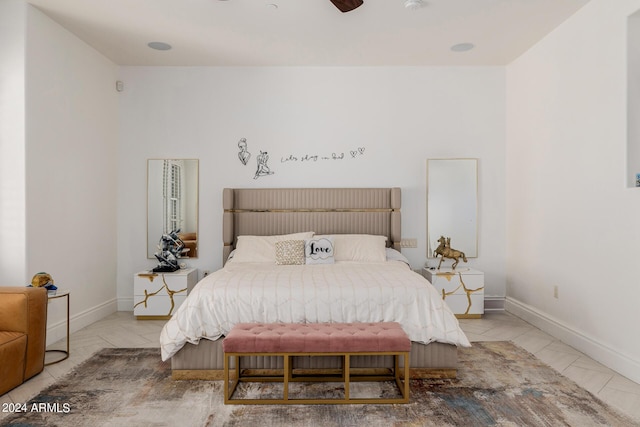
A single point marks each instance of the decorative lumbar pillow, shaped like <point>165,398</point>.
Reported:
<point>263,248</point>
<point>319,251</point>
<point>359,247</point>
<point>290,252</point>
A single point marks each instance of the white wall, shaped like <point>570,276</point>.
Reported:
<point>13,23</point>
<point>400,116</point>
<point>571,220</point>
<point>71,170</point>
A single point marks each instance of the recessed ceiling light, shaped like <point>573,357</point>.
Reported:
<point>462,47</point>
<point>413,4</point>
<point>159,45</point>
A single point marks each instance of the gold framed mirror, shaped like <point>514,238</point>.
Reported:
<point>452,204</point>
<point>172,202</point>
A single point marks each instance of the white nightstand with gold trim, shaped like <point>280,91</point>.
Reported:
<point>462,289</point>
<point>158,295</point>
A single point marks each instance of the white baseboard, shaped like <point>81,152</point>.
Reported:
<point>58,330</point>
<point>493,303</point>
<point>125,304</point>
<point>597,350</point>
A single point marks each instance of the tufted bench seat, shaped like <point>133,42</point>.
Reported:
<point>317,339</point>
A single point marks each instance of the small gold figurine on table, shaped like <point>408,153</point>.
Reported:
<point>445,251</point>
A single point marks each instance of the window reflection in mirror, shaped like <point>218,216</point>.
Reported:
<point>172,202</point>
<point>452,204</point>
<point>633,100</point>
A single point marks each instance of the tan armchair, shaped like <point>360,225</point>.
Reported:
<point>23,330</point>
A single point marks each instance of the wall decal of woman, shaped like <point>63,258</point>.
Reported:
<point>243,154</point>
<point>263,168</point>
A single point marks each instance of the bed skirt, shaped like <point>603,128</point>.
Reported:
<point>205,361</point>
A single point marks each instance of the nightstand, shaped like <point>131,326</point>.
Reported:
<point>462,289</point>
<point>158,295</point>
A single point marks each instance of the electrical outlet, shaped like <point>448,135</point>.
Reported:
<point>409,243</point>
<point>555,291</point>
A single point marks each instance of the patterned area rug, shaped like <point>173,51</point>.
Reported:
<point>498,384</point>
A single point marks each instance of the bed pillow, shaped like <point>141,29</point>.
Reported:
<point>290,252</point>
<point>319,250</point>
<point>359,247</point>
<point>395,255</point>
<point>263,248</point>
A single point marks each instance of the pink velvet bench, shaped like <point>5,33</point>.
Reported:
<point>317,339</point>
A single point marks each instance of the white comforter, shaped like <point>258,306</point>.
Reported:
<point>340,292</point>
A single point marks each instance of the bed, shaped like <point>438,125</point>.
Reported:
<point>358,285</point>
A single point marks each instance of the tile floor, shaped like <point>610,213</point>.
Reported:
<point>121,329</point>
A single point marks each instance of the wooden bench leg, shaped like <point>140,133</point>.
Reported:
<point>226,378</point>
<point>287,375</point>
<point>407,377</point>
<point>229,390</point>
<point>403,386</point>
<point>237,359</point>
<point>346,373</point>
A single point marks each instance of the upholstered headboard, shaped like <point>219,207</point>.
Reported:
<point>271,211</point>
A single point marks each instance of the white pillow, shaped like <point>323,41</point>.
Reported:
<point>359,247</point>
<point>394,255</point>
<point>263,248</point>
<point>319,250</point>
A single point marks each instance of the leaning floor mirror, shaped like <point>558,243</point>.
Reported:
<point>452,204</point>
<point>172,202</point>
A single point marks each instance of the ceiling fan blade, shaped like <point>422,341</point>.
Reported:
<point>347,5</point>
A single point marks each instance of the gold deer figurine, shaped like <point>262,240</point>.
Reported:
<point>445,251</point>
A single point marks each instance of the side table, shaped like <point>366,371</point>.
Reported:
<point>462,289</point>
<point>57,353</point>
<point>158,295</point>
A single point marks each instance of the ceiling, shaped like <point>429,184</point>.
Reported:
<point>309,32</point>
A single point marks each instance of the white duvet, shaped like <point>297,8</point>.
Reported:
<point>341,292</point>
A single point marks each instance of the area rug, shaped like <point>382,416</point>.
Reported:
<point>498,384</point>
